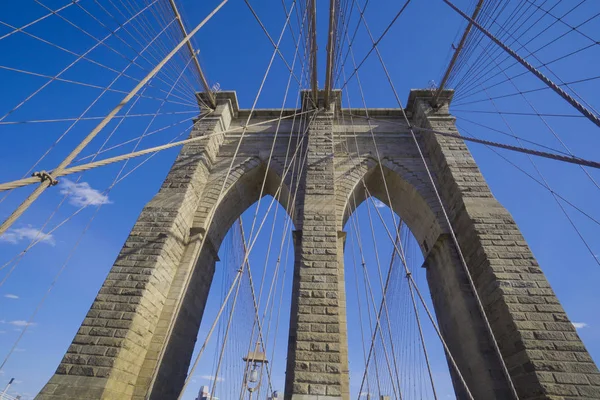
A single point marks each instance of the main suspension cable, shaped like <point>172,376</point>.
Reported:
<point>62,166</point>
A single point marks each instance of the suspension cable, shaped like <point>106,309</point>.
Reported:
<point>447,220</point>
<point>62,166</point>
<point>583,110</point>
<point>552,156</point>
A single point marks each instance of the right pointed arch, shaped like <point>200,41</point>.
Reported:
<point>410,195</point>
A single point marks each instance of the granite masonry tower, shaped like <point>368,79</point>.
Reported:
<point>136,341</point>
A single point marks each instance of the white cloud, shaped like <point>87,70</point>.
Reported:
<point>82,194</point>
<point>11,296</point>
<point>15,235</point>
<point>580,325</point>
<point>378,203</point>
<point>211,378</point>
<point>20,322</point>
<point>2,332</point>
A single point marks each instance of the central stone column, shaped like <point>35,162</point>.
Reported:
<point>317,364</point>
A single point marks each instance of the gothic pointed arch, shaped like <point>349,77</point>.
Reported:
<point>250,180</point>
<point>401,189</point>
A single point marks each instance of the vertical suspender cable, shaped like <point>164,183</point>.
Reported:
<point>313,49</point>
<point>331,50</point>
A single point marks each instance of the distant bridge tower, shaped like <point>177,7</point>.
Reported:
<point>137,339</point>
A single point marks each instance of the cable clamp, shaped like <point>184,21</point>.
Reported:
<point>408,274</point>
<point>45,176</point>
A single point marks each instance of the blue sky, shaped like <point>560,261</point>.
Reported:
<point>234,53</point>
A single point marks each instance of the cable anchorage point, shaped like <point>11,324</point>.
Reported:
<point>45,176</point>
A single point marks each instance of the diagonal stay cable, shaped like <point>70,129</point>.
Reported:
<point>583,80</point>
<point>535,70</point>
<point>275,45</point>
<point>46,183</point>
<point>187,87</point>
<point>533,178</point>
<point>375,43</point>
<point>82,56</point>
<point>291,202</point>
<point>526,114</point>
<point>44,121</point>
<point>118,178</point>
<point>384,301</point>
<point>491,145</point>
<point>547,185</point>
<point>41,236</point>
<point>211,213</point>
<point>536,58</point>
<point>85,84</point>
<point>398,247</point>
<point>146,29</point>
<point>104,43</point>
<point>447,220</point>
<point>567,97</point>
<point>40,19</point>
<point>121,144</point>
<point>84,167</point>
<point>483,75</point>
<point>525,150</point>
<point>479,68</point>
<point>541,116</point>
<point>244,262</point>
<point>83,113</point>
<point>525,72</point>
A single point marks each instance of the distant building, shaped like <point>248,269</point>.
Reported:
<point>275,396</point>
<point>204,394</point>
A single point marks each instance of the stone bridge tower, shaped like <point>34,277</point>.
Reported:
<point>137,339</point>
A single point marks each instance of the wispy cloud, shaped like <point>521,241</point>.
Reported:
<point>82,194</point>
<point>580,325</point>
<point>11,296</point>
<point>15,235</point>
<point>20,322</point>
<point>211,378</point>
<point>378,204</point>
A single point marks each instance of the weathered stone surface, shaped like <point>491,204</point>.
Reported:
<point>318,258</point>
<point>506,276</point>
<point>137,339</point>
